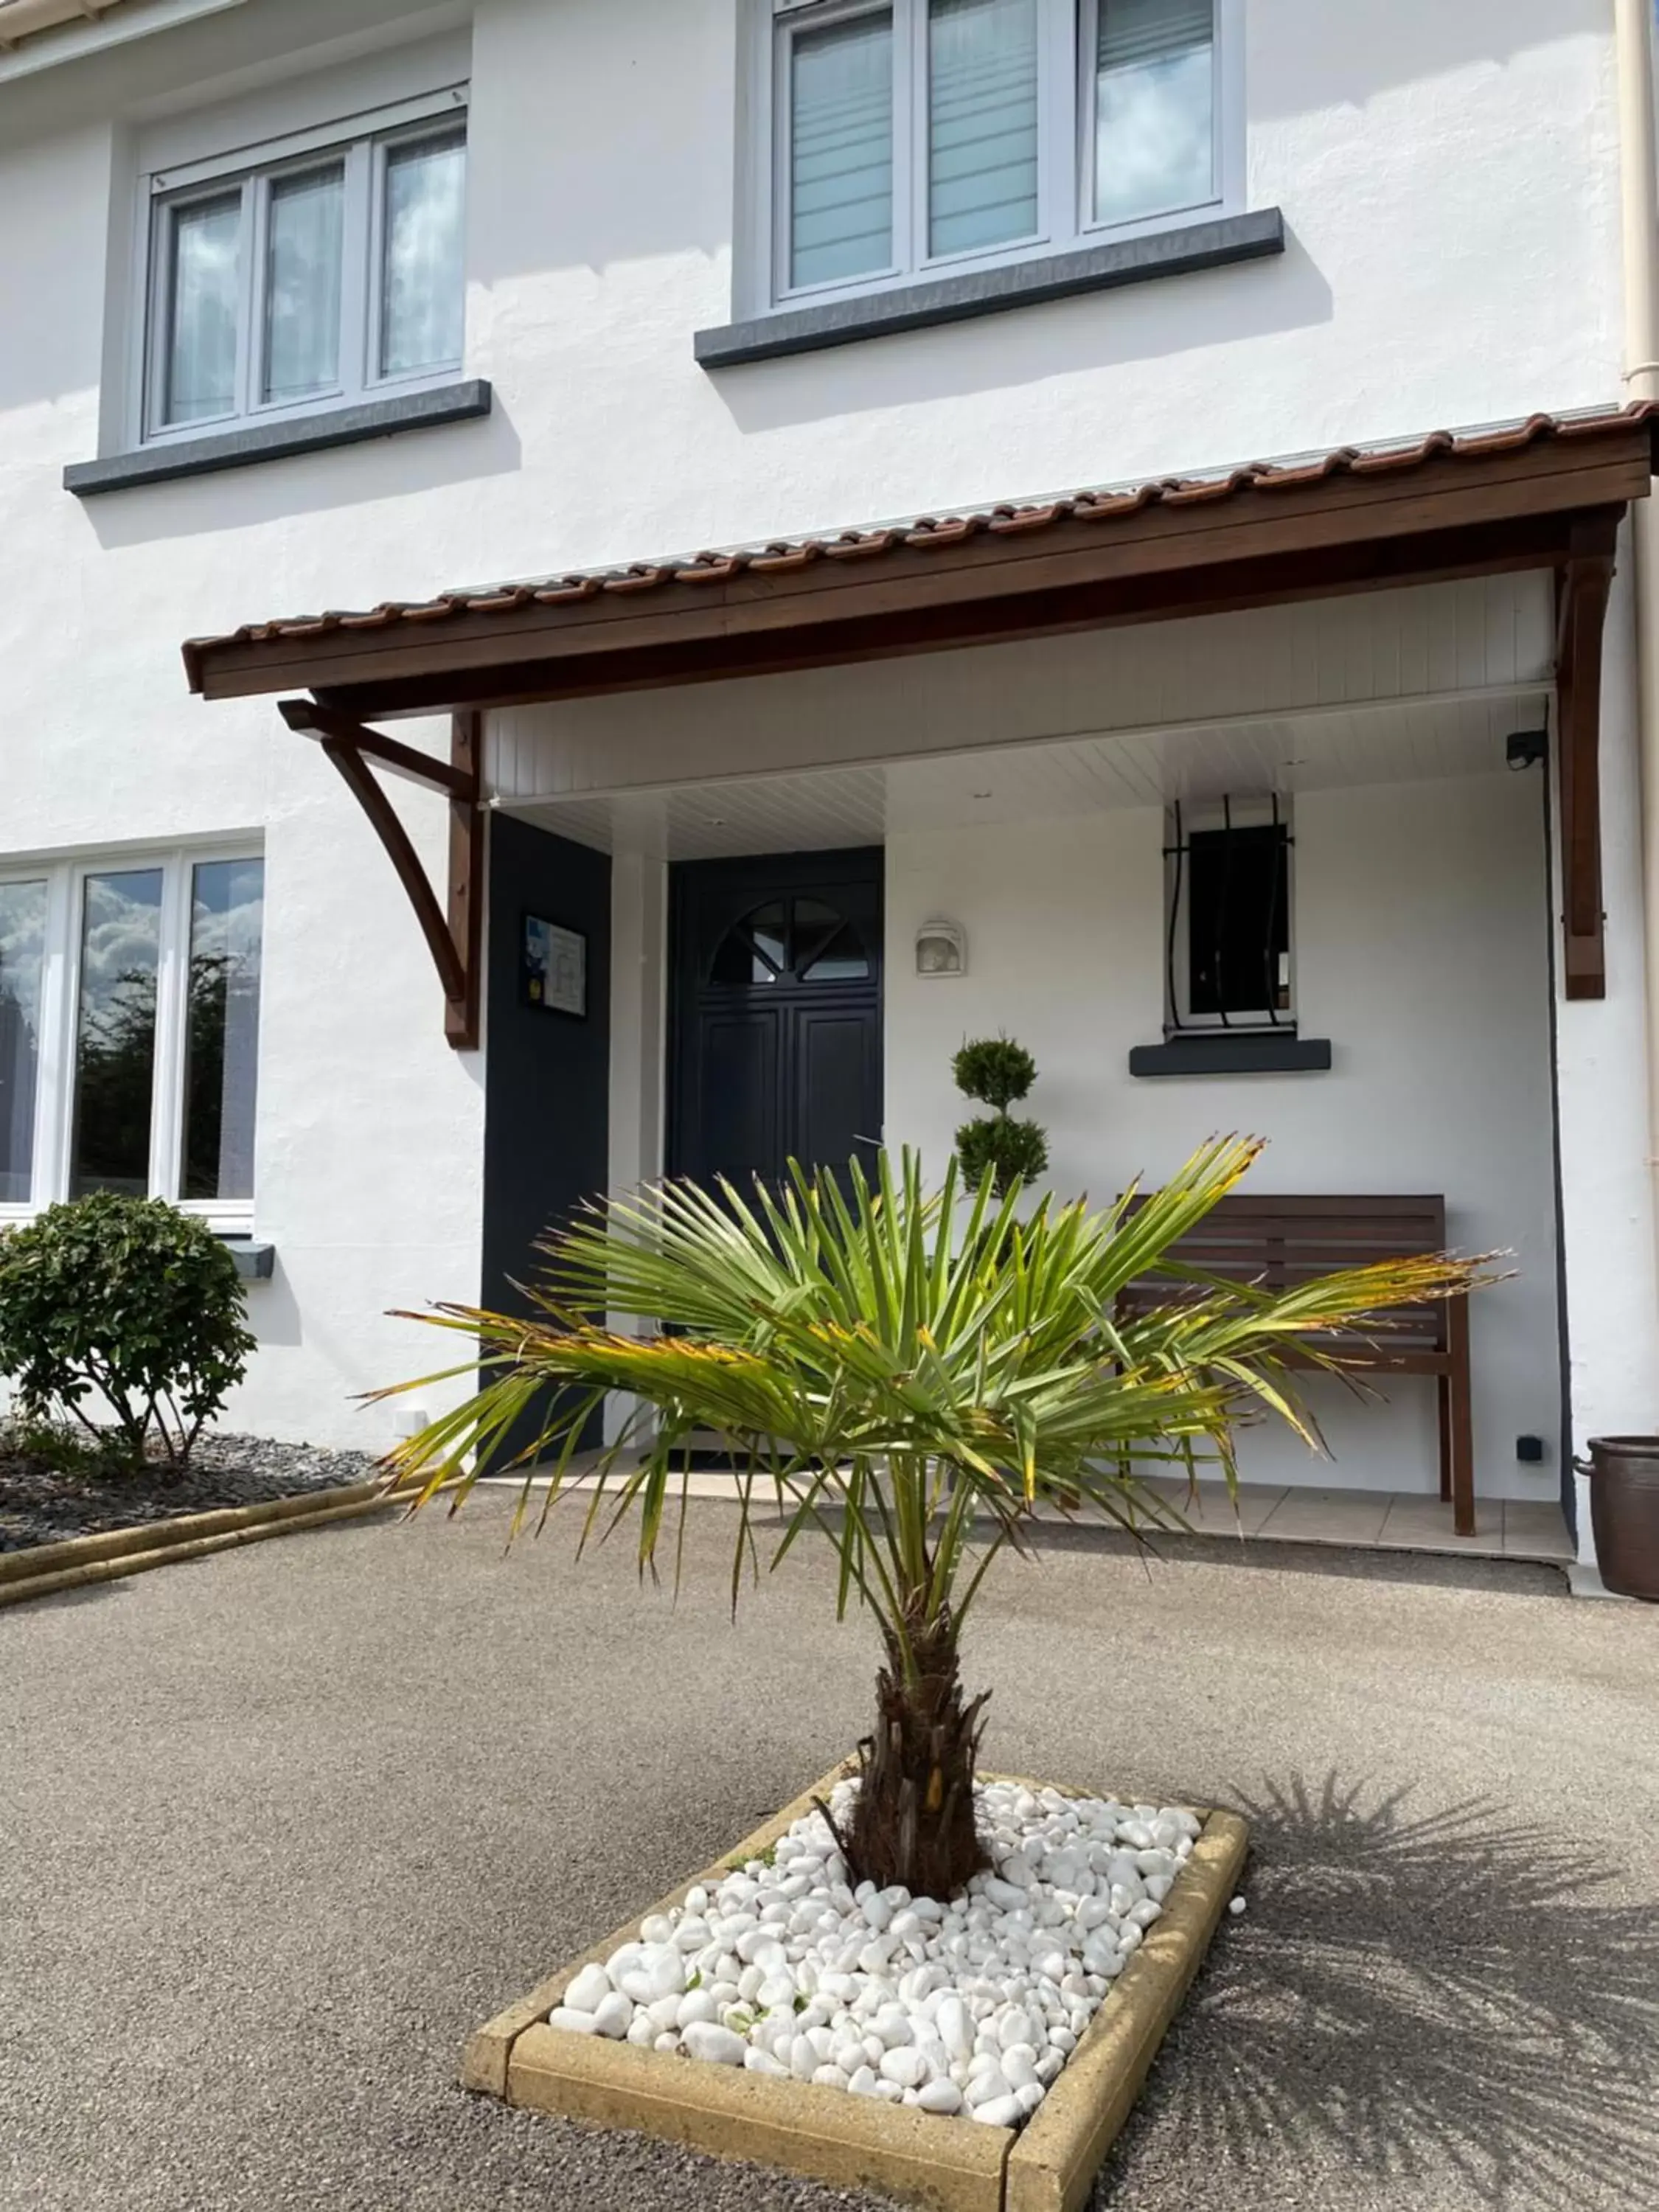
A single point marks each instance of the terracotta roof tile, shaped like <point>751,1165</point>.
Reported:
<point>941,532</point>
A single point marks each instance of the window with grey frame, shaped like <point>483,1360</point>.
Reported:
<point>910,136</point>
<point>1229,917</point>
<point>129,1029</point>
<point>306,279</point>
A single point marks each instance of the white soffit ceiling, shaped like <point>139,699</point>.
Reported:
<point>816,809</point>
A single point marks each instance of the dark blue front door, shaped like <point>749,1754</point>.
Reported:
<point>776,1013</point>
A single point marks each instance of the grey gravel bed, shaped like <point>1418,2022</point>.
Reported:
<point>41,1504</point>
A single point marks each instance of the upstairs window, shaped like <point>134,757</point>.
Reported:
<point>312,274</point>
<point>1229,916</point>
<point>913,136</point>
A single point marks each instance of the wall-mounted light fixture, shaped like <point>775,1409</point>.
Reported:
<point>1525,749</point>
<point>941,948</point>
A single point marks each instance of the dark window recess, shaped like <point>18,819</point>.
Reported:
<point>1229,919</point>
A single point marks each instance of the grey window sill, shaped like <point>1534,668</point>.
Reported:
<point>1173,253</point>
<point>462,402</point>
<point>255,1262</point>
<point>1221,1054</point>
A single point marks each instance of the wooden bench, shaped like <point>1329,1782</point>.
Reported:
<point>1279,1242</point>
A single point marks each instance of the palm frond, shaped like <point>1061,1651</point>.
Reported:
<point>912,1373</point>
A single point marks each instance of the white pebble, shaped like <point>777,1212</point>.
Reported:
<point>905,2065</point>
<point>1001,2112</point>
<point>587,1990</point>
<point>572,2021</point>
<point>714,2044</point>
<point>969,2003</point>
<point>940,2096</point>
<point>1239,1904</point>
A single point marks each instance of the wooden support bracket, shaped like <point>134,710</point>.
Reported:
<point>1583,585</point>
<point>454,930</point>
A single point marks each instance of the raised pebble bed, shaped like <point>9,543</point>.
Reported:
<point>40,1504</point>
<point>966,2006</point>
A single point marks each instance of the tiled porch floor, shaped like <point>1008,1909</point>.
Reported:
<point>1402,1520</point>
<point>1512,1528</point>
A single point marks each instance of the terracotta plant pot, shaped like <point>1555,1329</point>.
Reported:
<point>1624,1487</point>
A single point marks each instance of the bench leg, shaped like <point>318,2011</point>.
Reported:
<point>1442,1391</point>
<point>1460,1419</point>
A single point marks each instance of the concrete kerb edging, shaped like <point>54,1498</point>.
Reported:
<point>114,1553</point>
<point>855,2142</point>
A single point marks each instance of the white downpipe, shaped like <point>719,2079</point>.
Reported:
<point>19,18</point>
<point>1639,194</point>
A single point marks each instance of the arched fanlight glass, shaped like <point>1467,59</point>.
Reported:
<point>790,940</point>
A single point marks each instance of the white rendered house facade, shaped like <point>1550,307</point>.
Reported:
<point>1231,804</point>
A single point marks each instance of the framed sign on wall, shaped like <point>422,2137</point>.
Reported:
<point>554,964</point>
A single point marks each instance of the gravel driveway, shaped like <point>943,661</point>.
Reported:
<point>278,1828</point>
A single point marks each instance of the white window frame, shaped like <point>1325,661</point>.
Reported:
<point>361,143</point>
<point>1065,144</point>
<point>1252,812</point>
<point>60,1000</point>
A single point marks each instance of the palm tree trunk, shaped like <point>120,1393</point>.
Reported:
<point>912,1821</point>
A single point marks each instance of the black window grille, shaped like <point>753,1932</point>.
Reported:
<point>1230,924</point>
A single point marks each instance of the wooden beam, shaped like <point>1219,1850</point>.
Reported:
<point>308,718</point>
<point>377,806</point>
<point>1153,552</point>
<point>467,880</point>
<point>1438,557</point>
<point>1584,581</point>
<point>454,931</point>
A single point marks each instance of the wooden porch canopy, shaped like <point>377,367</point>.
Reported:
<point>1548,493</point>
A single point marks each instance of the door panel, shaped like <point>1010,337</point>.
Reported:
<point>833,1079</point>
<point>774,1013</point>
<point>737,1087</point>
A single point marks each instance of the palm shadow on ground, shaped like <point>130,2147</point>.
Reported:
<point>1415,1995</point>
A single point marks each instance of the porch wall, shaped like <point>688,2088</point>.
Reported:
<point>1422,954</point>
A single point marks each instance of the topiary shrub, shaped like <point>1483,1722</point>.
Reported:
<point>129,1299</point>
<point>999,1073</point>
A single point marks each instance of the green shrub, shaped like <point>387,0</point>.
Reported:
<point>995,1070</point>
<point>1008,1150</point>
<point>999,1073</point>
<point>128,1299</point>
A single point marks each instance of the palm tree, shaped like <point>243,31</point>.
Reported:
<point>910,1374</point>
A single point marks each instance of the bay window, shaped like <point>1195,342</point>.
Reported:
<point>913,136</point>
<point>311,274</point>
<point>129,1031</point>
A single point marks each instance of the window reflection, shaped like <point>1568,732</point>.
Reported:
<point>221,1047</point>
<point>201,363</point>
<point>1154,107</point>
<point>305,264</point>
<point>22,950</point>
<point>841,153</point>
<point>115,1032</point>
<point>422,300</point>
